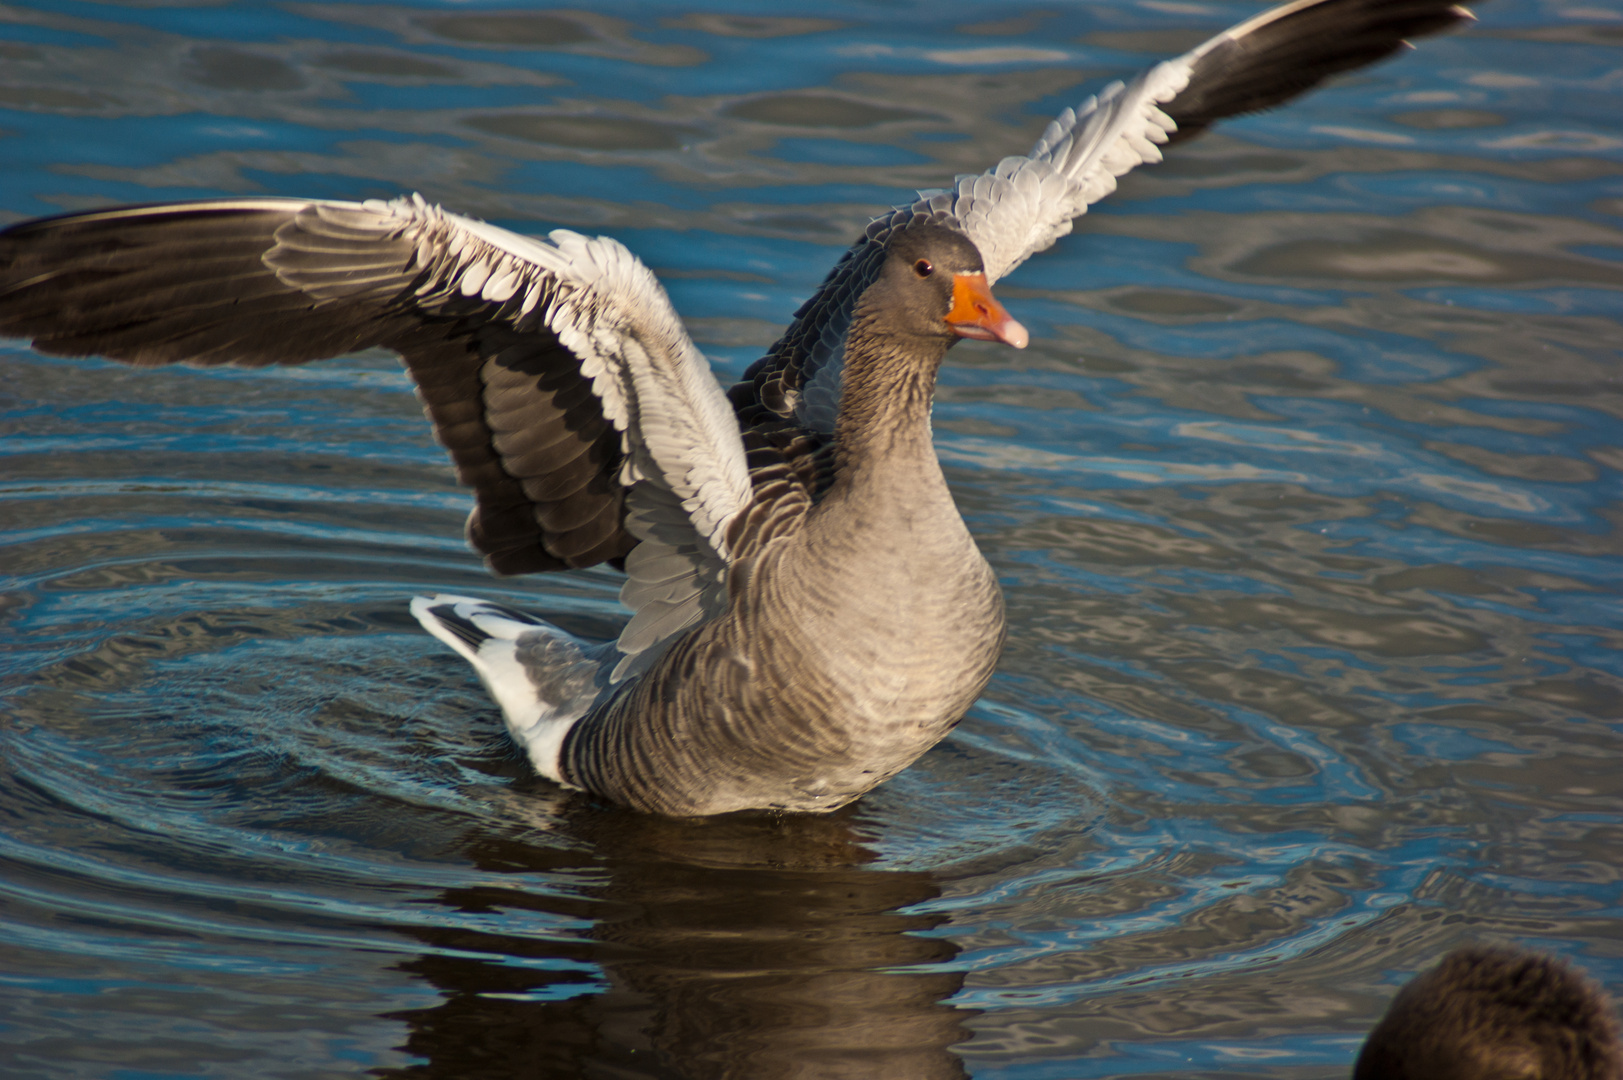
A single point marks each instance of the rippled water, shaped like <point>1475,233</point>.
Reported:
<point>1305,498</point>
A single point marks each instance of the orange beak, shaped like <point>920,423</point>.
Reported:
<point>976,315</point>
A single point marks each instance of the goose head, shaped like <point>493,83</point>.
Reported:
<point>932,284</point>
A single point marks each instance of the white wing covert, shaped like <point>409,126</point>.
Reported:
<point>1023,204</point>
<point>683,463</point>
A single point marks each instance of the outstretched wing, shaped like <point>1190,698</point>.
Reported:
<point>1022,205</point>
<point>555,372</point>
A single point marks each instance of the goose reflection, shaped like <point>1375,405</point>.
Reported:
<point>744,946</point>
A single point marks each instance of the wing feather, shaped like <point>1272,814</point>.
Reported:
<point>1023,204</point>
<point>555,372</point>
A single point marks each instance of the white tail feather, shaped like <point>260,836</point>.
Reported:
<point>541,677</point>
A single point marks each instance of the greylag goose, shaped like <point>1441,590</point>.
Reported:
<point>1488,1013</point>
<point>809,612</point>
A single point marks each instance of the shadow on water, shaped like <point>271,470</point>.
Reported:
<point>748,946</point>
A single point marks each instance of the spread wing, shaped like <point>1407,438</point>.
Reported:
<point>1022,205</point>
<point>555,372</point>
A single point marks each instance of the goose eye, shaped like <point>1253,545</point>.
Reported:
<point>923,268</point>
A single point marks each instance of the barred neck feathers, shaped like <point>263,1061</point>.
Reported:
<point>888,390</point>
<point>930,291</point>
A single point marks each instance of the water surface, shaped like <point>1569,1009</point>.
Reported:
<point>1305,497</point>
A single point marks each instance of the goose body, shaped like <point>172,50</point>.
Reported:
<point>809,611</point>
<point>798,692</point>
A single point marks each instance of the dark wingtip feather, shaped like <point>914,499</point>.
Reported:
<point>464,629</point>
<point>1275,57</point>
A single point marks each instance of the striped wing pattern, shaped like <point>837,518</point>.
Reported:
<point>555,372</point>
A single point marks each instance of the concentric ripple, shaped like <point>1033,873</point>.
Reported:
<point>1304,499</point>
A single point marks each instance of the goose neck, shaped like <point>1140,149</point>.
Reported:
<point>888,389</point>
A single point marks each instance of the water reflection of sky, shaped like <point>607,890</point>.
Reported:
<point>1304,501</point>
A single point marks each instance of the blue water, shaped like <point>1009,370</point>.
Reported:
<point>1305,499</point>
